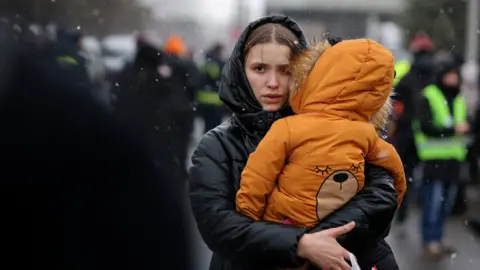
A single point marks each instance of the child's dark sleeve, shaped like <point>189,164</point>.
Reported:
<point>384,155</point>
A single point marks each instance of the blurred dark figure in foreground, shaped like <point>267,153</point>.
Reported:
<point>407,91</point>
<point>210,107</point>
<point>77,190</point>
<point>151,99</point>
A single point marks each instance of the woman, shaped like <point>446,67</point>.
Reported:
<point>255,87</point>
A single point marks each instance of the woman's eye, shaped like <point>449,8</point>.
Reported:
<point>259,68</point>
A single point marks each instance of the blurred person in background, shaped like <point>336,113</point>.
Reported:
<point>188,76</point>
<point>407,91</point>
<point>65,57</point>
<point>470,89</point>
<point>151,99</point>
<point>210,106</point>
<point>439,128</point>
<point>97,71</point>
<point>69,44</point>
<point>177,50</point>
<point>460,205</point>
<point>474,221</point>
<point>78,190</point>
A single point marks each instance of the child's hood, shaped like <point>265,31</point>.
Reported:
<point>352,79</point>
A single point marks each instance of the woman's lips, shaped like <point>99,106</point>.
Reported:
<point>272,98</point>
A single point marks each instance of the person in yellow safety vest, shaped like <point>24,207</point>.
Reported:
<point>213,70</point>
<point>402,67</point>
<point>440,125</point>
<point>210,107</point>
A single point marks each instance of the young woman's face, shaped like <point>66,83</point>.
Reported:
<point>267,72</point>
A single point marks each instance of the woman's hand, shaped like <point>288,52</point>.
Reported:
<point>323,250</point>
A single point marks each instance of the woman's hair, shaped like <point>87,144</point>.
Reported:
<point>273,32</point>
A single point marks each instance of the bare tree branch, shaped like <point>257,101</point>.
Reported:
<point>444,20</point>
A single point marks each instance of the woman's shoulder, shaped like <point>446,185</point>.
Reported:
<point>221,143</point>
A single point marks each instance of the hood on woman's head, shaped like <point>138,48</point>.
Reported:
<point>352,79</point>
<point>235,91</point>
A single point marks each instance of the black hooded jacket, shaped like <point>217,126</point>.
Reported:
<point>237,241</point>
<point>410,87</point>
<point>407,93</point>
<point>151,99</point>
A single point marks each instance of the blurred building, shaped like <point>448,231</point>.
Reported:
<point>349,18</point>
<point>374,19</point>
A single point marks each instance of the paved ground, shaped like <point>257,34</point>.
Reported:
<point>406,244</point>
<point>405,241</point>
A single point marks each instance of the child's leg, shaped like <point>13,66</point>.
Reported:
<point>388,262</point>
<point>380,257</point>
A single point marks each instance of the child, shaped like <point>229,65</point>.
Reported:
<point>312,163</point>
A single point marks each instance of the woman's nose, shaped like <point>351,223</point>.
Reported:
<point>272,81</point>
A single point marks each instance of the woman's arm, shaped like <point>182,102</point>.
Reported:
<point>259,177</point>
<point>372,210</point>
<point>224,230</point>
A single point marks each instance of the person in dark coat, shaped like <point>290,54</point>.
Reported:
<point>65,54</point>
<point>407,91</point>
<point>151,99</point>
<point>189,78</point>
<point>210,107</point>
<point>474,220</point>
<point>239,242</point>
<point>78,190</point>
